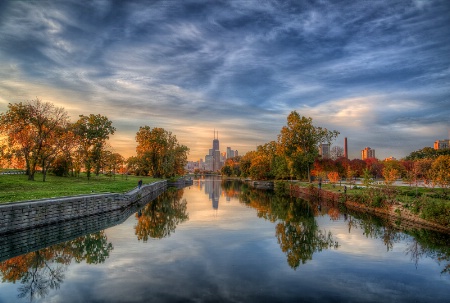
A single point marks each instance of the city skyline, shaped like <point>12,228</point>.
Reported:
<point>377,72</point>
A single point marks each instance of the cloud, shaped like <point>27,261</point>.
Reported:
<point>363,68</point>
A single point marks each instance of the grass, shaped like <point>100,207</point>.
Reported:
<point>427,203</point>
<point>17,188</point>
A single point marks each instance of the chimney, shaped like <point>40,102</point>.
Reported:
<point>345,148</point>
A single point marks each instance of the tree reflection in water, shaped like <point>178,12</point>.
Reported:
<point>422,242</point>
<point>44,269</point>
<point>299,236</point>
<point>161,216</point>
<point>297,231</point>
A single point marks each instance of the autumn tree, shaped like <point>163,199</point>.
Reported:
<point>357,166</point>
<point>159,218</point>
<point>440,173</point>
<point>298,141</point>
<point>32,130</point>
<point>92,133</point>
<point>159,152</point>
<point>333,177</point>
<point>246,162</point>
<point>262,162</point>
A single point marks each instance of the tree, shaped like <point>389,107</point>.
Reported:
<point>357,166</point>
<point>92,132</point>
<point>246,162</point>
<point>298,142</point>
<point>334,177</point>
<point>374,166</point>
<point>32,130</point>
<point>159,152</point>
<point>336,152</point>
<point>428,153</point>
<point>440,172</point>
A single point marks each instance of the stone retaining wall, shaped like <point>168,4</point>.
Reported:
<point>25,241</point>
<point>30,214</point>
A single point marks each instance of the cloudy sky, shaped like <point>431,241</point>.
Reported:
<point>376,71</point>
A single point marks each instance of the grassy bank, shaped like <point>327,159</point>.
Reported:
<point>425,203</point>
<point>17,188</point>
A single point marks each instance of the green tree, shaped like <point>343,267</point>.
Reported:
<point>427,153</point>
<point>92,132</point>
<point>298,142</point>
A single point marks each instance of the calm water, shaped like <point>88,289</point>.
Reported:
<point>216,242</point>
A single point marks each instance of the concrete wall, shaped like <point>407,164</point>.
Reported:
<point>31,214</point>
<point>39,237</point>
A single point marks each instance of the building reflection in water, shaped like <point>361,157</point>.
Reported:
<point>213,189</point>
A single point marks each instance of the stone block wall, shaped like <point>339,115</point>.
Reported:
<point>30,214</point>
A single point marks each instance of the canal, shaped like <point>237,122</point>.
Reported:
<point>225,242</point>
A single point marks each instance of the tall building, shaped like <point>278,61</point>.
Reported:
<point>209,162</point>
<point>215,153</point>
<point>324,150</point>
<point>230,153</point>
<point>442,144</point>
<point>367,153</point>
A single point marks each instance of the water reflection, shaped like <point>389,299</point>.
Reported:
<point>42,270</point>
<point>265,245</point>
<point>297,231</point>
<point>212,186</point>
<point>299,235</point>
<point>421,242</point>
<point>159,218</point>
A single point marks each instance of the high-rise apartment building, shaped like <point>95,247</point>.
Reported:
<point>442,144</point>
<point>367,153</point>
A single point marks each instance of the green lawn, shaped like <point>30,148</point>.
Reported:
<point>18,188</point>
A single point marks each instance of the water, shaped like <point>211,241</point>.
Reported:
<point>209,243</point>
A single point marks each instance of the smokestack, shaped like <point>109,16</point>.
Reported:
<point>345,148</point>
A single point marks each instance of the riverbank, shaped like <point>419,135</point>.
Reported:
<point>23,215</point>
<point>395,213</point>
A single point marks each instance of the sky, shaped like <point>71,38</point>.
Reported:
<point>376,71</point>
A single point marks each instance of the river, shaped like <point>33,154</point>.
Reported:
<point>225,242</point>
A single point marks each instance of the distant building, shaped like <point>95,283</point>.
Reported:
<point>390,159</point>
<point>209,162</point>
<point>230,153</point>
<point>324,150</point>
<point>367,153</point>
<point>442,144</point>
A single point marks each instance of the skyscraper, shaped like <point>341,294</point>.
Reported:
<point>216,141</point>
<point>216,153</point>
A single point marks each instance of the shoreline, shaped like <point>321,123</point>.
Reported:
<point>395,213</point>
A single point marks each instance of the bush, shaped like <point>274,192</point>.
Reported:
<point>377,201</point>
<point>437,211</point>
